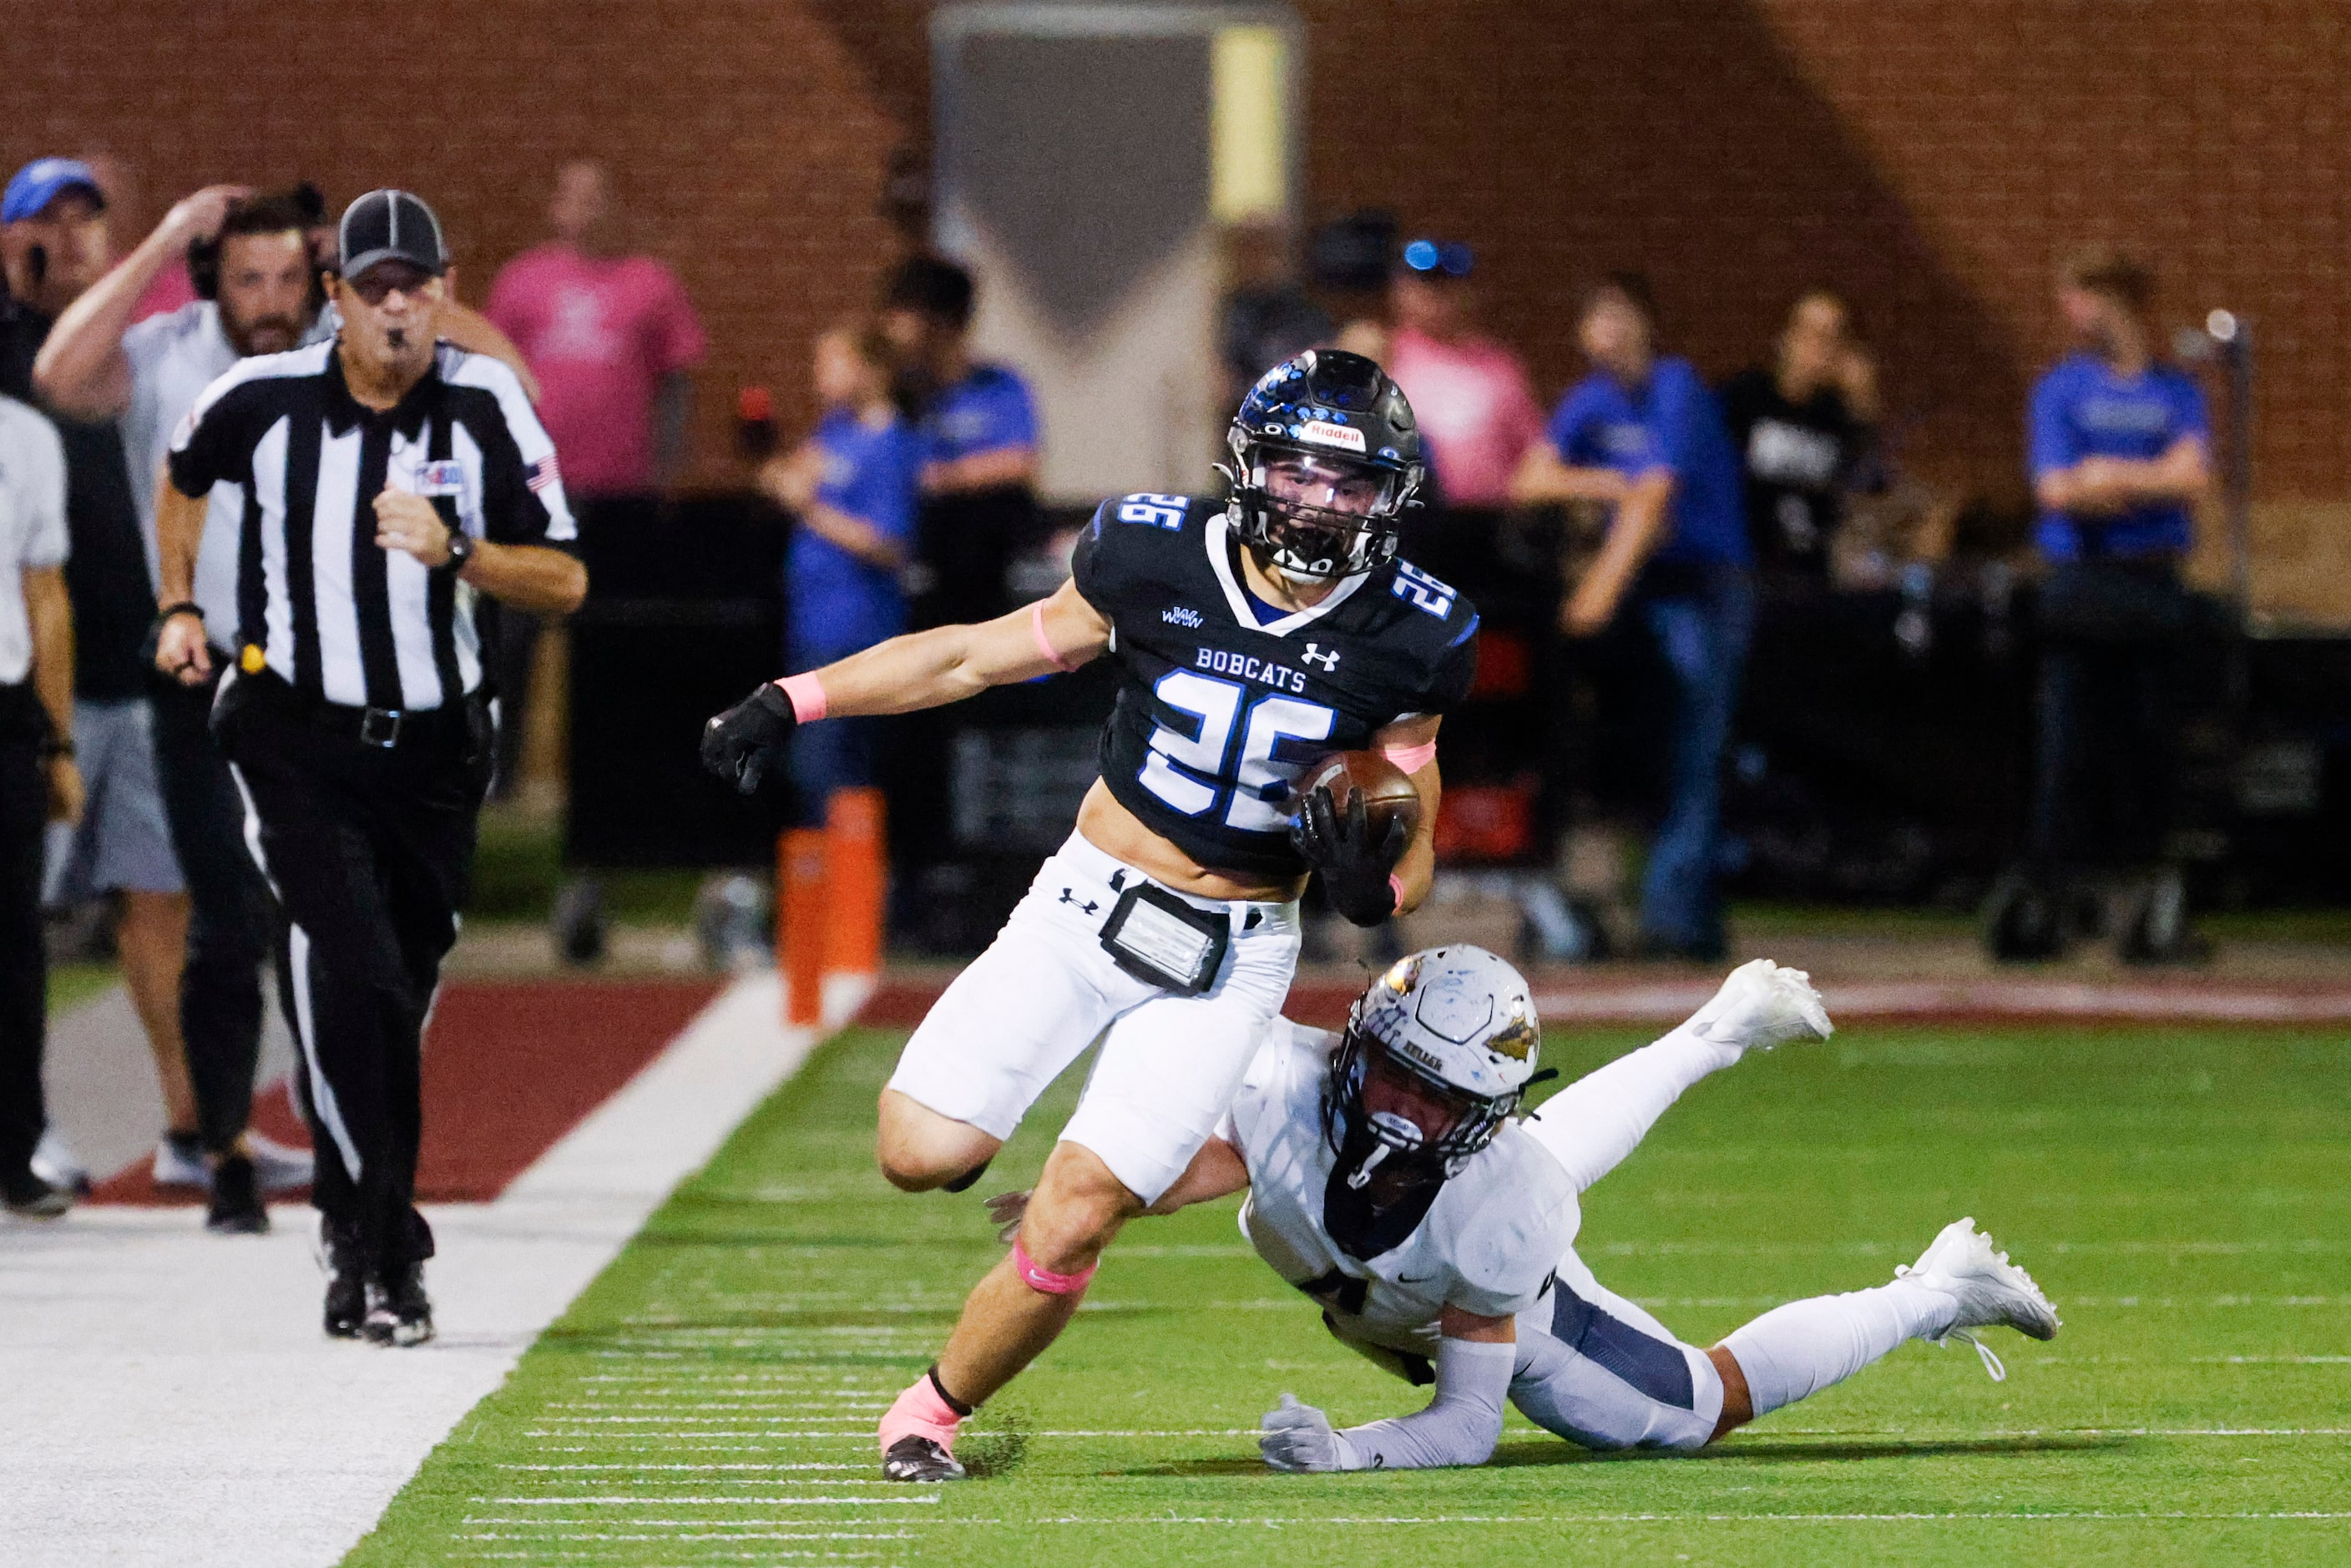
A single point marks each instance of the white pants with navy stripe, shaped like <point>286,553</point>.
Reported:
<point>1046,989</point>
<point>1601,1372</point>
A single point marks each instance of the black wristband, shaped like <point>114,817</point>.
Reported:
<point>184,606</point>
<point>53,747</point>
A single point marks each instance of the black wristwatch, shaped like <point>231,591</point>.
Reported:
<point>461,551</point>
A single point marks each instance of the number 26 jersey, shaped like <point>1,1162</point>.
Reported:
<point>1224,701</point>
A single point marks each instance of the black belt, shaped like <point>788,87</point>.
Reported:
<point>379,726</point>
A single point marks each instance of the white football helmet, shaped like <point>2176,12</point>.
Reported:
<point>1459,1022</point>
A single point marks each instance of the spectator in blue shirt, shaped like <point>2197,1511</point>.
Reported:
<point>852,486</point>
<point>978,427</point>
<point>978,510</point>
<point>1644,437</point>
<point>2121,458</point>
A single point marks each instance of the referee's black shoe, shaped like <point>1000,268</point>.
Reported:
<point>27,1197</point>
<point>398,1311</point>
<point>235,1208</point>
<point>346,1269</point>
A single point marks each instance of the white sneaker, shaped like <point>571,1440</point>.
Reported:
<point>180,1162</point>
<point>1762,1005</point>
<point>1991,1291</point>
<point>55,1162</point>
<point>276,1166</point>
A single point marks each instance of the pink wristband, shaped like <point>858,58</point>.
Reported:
<point>1411,759</point>
<point>1045,643</point>
<point>1044,1280</point>
<point>1395,886</point>
<point>806,694</point>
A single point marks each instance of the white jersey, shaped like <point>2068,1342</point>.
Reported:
<point>174,358</point>
<point>1489,1244</point>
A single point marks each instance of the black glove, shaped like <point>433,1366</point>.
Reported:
<point>741,744</point>
<point>1354,860</point>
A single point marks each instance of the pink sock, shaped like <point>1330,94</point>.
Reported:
<point>922,1412</point>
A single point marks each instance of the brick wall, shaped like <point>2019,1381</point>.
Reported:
<point>750,136</point>
<point>1931,160</point>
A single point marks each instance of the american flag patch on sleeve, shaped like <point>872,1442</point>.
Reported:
<point>543,474</point>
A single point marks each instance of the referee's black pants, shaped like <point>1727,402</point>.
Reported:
<point>229,922</point>
<point>24,967</point>
<point>369,849</point>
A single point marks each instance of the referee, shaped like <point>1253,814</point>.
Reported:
<point>384,481</point>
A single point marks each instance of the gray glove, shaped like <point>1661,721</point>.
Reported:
<point>1299,1437</point>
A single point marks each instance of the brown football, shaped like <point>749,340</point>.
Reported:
<point>1387,790</point>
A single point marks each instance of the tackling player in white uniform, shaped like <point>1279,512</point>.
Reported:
<point>1388,1179</point>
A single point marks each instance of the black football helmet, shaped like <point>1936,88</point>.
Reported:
<point>1339,408</point>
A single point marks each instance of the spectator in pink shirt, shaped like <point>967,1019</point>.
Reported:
<point>611,339</point>
<point>1477,409</point>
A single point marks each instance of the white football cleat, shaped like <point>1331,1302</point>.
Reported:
<point>1991,1291</point>
<point>1761,1005</point>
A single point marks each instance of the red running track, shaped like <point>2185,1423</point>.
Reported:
<point>509,1068</point>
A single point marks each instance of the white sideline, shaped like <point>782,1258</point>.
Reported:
<point>170,1400</point>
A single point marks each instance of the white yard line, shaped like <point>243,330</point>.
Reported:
<point>172,1401</point>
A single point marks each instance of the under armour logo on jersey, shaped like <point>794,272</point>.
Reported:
<point>1178,615</point>
<point>1084,906</point>
<point>1312,655</point>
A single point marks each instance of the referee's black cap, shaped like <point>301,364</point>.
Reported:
<point>390,225</point>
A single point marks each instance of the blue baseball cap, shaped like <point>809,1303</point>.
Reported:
<point>1447,256</point>
<point>41,182</point>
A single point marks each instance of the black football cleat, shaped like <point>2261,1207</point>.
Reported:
<point>235,1208</point>
<point>919,1459</point>
<point>345,1266</point>
<point>27,1197</point>
<point>398,1311</point>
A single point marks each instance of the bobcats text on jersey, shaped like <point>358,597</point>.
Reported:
<point>1223,701</point>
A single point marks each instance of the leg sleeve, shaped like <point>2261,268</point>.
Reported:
<point>1793,1352</point>
<point>1592,1123</point>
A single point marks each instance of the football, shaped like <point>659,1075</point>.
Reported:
<point>1388,792</point>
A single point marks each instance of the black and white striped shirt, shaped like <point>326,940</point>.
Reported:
<point>330,611</point>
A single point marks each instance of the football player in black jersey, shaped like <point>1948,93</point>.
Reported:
<point>1254,637</point>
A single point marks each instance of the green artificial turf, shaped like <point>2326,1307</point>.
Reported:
<point>2182,1194</point>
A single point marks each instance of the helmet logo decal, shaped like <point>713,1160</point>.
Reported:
<point>1517,1039</point>
<point>1322,433</point>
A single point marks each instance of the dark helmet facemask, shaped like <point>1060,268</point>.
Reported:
<point>1339,409</point>
<point>1366,1139</point>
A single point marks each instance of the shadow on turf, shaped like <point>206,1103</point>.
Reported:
<point>1538,1452</point>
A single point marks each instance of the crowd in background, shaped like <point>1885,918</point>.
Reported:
<point>1668,500</point>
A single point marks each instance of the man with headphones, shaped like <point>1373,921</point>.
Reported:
<point>258,293</point>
